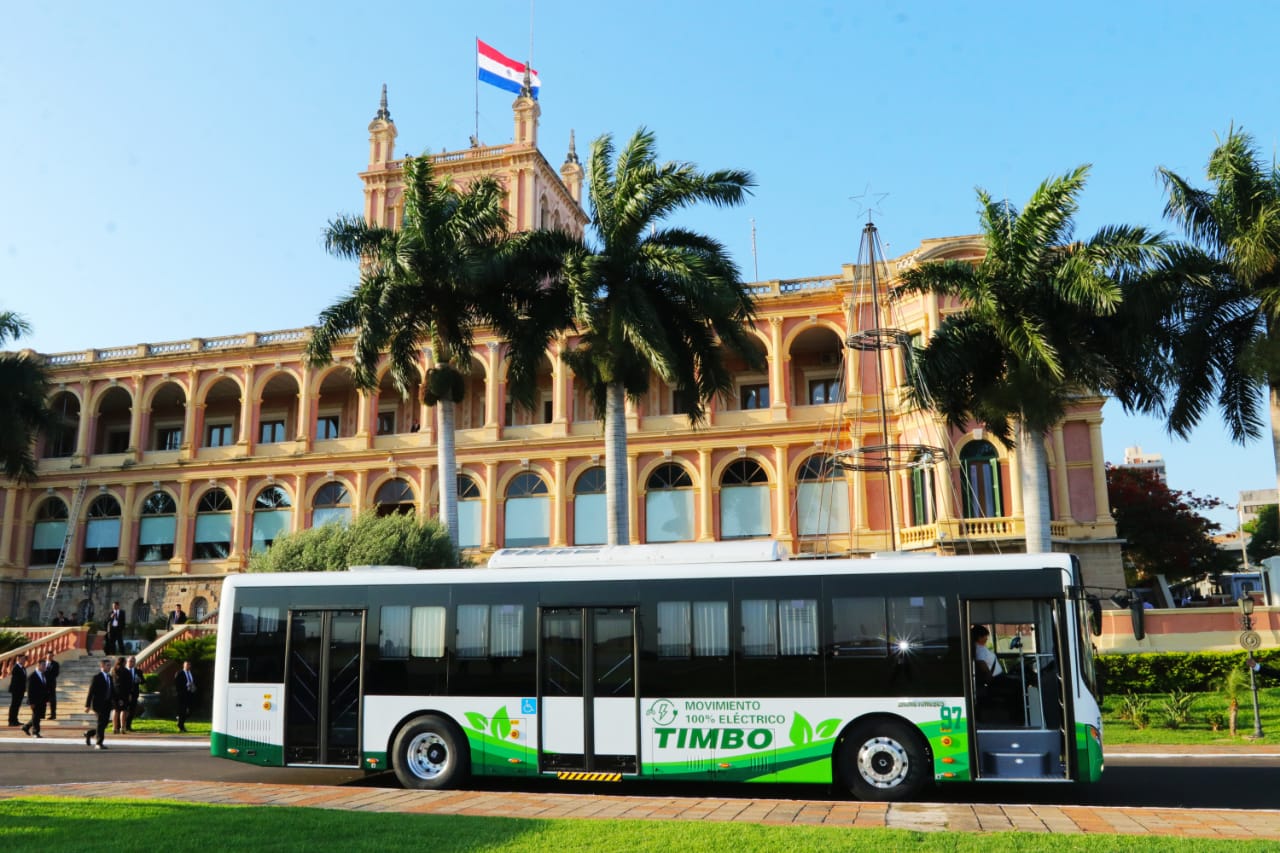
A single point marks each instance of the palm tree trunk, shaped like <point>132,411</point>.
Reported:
<point>447,465</point>
<point>616,491</point>
<point>1275,430</point>
<point>1033,474</point>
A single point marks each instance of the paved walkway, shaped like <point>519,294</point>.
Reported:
<point>927,817</point>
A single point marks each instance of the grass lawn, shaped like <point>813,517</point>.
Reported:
<point>169,727</point>
<point>110,825</point>
<point>1198,730</point>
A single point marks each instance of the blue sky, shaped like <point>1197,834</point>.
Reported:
<point>166,170</point>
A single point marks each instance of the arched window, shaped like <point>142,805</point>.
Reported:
<point>33,613</point>
<point>822,498</point>
<point>213,526</point>
<point>199,609</point>
<point>156,528</point>
<point>470,513</point>
<point>102,533</point>
<point>332,505</point>
<point>744,500</point>
<point>141,612</point>
<point>668,505</point>
<point>271,516</point>
<point>394,498</point>
<point>923,503</point>
<point>980,480</point>
<point>50,530</point>
<point>527,512</point>
<point>589,526</point>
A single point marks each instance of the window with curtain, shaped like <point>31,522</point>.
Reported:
<point>213,526</point>
<point>470,512</point>
<point>271,516</point>
<point>744,501</point>
<point>527,512</point>
<point>49,532</point>
<point>412,631</point>
<point>490,630</point>
<point>772,628</point>
<point>668,504</point>
<point>157,527</point>
<point>822,498</point>
<point>102,532</point>
<point>980,475</point>
<point>589,527</point>
<point>923,505</point>
<point>693,629</point>
<point>331,505</point>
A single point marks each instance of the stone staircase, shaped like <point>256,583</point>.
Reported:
<point>73,685</point>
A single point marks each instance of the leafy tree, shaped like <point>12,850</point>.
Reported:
<point>1226,337</point>
<point>1264,535</point>
<point>1162,528</point>
<point>649,299</point>
<point>396,540</point>
<point>451,267</point>
<point>198,650</point>
<point>1039,325</point>
<point>24,403</point>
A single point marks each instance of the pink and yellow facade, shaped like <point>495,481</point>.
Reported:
<point>176,460</point>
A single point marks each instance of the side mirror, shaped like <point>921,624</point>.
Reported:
<point>1137,615</point>
<point>1095,615</point>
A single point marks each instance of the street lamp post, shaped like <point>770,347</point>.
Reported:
<point>89,585</point>
<point>1250,640</point>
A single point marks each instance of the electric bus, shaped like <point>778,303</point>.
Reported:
<point>724,662</point>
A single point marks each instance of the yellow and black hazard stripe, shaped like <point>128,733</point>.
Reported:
<point>574,776</point>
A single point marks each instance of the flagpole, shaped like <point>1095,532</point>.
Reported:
<point>529,65</point>
<point>477,83</point>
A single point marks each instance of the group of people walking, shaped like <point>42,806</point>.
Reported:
<point>113,695</point>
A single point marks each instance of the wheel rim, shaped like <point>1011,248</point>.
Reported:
<point>883,762</point>
<point>428,756</point>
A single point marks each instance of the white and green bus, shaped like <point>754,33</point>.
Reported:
<point>718,661</point>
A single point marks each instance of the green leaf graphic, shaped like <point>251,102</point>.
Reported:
<point>801,731</point>
<point>479,722</point>
<point>827,728</point>
<point>501,723</point>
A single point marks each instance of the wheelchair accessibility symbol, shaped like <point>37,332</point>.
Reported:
<point>528,706</point>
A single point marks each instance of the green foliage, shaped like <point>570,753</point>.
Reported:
<point>10,640</point>
<point>1216,720</point>
<point>1264,535</point>
<point>1176,709</point>
<point>395,540</point>
<point>24,402</point>
<point>1136,709</point>
<point>150,683</point>
<point>1166,671</point>
<point>195,649</point>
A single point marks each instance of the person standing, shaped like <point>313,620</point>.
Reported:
<point>37,698</point>
<point>184,683</point>
<point>135,677</point>
<point>121,693</point>
<point>115,630</point>
<point>17,688</point>
<point>51,670</point>
<point>99,702</point>
<point>178,617</point>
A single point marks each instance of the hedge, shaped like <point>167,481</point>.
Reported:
<point>1163,672</point>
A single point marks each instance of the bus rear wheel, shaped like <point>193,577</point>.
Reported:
<point>430,753</point>
<point>884,761</point>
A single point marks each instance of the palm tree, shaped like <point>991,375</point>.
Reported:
<point>1039,326</point>
<point>24,402</point>
<point>451,268</point>
<point>650,299</point>
<point>1227,322</point>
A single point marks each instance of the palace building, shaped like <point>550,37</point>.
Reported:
<point>176,460</point>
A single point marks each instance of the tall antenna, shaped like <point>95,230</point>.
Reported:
<point>529,65</point>
<point>755,258</point>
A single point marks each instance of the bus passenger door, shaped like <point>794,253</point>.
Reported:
<point>324,654</point>
<point>1023,716</point>
<point>588,719</point>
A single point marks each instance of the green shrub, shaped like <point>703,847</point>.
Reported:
<point>1136,709</point>
<point>1164,672</point>
<point>10,640</point>
<point>394,540</point>
<point>1216,720</point>
<point>1176,710</point>
<point>195,649</point>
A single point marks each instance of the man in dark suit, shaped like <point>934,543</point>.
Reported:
<point>17,688</point>
<point>184,684</point>
<point>115,630</point>
<point>99,702</point>
<point>51,670</point>
<point>135,678</point>
<point>37,698</point>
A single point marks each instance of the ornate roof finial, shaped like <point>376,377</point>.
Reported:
<point>383,113</point>
<point>526,89</point>
<point>572,157</point>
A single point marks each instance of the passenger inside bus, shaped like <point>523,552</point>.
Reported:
<point>999,698</point>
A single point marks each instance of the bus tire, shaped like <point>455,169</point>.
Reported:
<point>430,753</point>
<point>884,760</point>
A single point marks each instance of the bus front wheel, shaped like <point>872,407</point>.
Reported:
<point>430,753</point>
<point>884,761</point>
